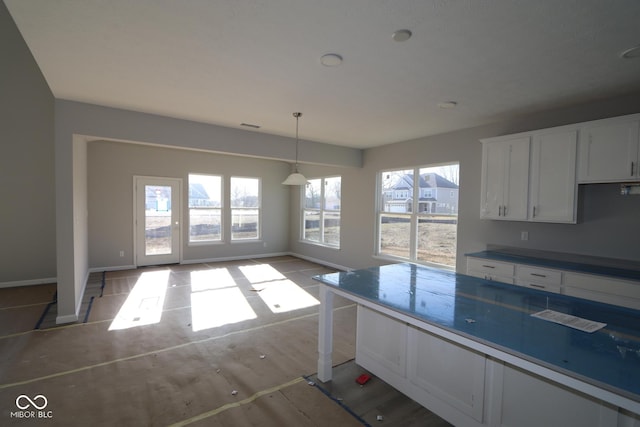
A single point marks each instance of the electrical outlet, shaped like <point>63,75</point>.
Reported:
<point>121,253</point>
<point>524,235</point>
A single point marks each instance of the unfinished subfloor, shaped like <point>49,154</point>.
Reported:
<point>217,344</point>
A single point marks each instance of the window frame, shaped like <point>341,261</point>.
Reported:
<point>321,214</point>
<point>414,214</point>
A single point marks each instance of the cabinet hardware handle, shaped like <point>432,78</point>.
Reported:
<point>533,285</point>
<point>504,211</point>
<point>489,266</point>
<point>499,210</point>
<point>631,168</point>
<point>534,211</point>
<point>538,275</point>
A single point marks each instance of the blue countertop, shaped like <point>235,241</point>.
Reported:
<point>560,264</point>
<point>499,315</point>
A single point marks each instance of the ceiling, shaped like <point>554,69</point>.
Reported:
<point>227,62</point>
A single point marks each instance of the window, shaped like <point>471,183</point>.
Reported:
<point>205,208</point>
<point>423,226</point>
<point>321,211</point>
<point>245,208</point>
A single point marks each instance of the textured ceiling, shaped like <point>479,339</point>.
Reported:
<point>258,61</point>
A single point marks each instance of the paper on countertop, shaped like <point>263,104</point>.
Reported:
<point>569,320</point>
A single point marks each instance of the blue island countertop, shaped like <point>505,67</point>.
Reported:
<point>499,315</point>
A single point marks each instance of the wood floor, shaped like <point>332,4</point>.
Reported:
<point>220,344</point>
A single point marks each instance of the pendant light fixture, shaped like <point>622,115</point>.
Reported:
<point>296,178</point>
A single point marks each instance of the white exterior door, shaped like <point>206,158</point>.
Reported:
<point>157,220</point>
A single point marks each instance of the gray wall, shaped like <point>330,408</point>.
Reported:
<point>27,192</point>
<point>111,167</point>
<point>609,227</point>
<point>27,134</point>
<point>77,124</point>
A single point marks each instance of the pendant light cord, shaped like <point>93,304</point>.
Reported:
<point>297,116</point>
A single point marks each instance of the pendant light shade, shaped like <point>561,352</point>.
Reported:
<point>296,178</point>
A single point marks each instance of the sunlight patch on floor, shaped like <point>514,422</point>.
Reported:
<point>218,307</point>
<point>144,304</point>
<point>216,278</point>
<point>278,293</point>
<point>285,295</point>
<point>261,273</point>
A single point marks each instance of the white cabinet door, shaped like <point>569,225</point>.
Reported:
<point>448,371</point>
<point>505,179</point>
<point>609,151</point>
<point>381,340</point>
<point>552,195</point>
<point>493,161</point>
<point>531,401</point>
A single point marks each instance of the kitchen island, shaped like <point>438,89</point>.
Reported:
<point>471,350</point>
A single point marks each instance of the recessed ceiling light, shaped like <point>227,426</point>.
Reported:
<point>447,105</point>
<point>633,52</point>
<point>331,60</point>
<point>401,35</point>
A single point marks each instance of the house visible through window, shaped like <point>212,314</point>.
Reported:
<point>321,211</point>
<point>245,208</point>
<point>418,214</point>
<point>205,208</point>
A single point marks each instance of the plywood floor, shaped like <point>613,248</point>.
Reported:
<point>220,344</point>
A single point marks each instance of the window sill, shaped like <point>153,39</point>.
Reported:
<point>206,243</point>
<point>322,245</point>
<point>426,264</point>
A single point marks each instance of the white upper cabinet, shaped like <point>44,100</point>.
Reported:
<point>553,187</point>
<point>505,178</point>
<point>608,150</point>
<point>534,176</point>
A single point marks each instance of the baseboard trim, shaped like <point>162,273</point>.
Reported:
<point>233,258</point>
<point>321,262</point>
<point>69,318</point>
<point>113,268</point>
<point>31,282</point>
